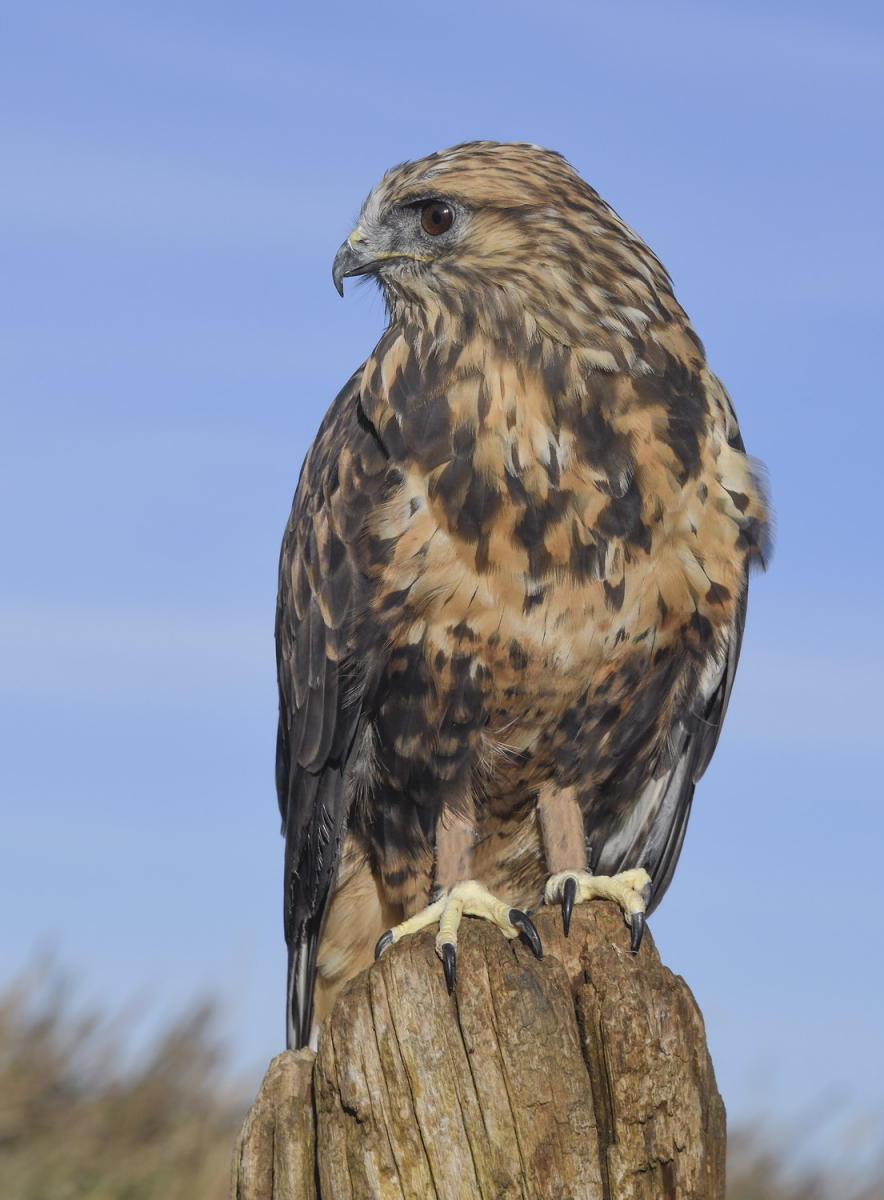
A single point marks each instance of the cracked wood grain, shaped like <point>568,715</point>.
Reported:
<point>584,1075</point>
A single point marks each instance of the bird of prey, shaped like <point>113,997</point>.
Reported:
<point>513,583</point>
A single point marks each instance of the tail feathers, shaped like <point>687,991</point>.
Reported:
<point>301,981</point>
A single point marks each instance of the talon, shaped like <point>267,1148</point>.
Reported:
<point>449,965</point>
<point>631,890</point>
<point>385,940</point>
<point>569,892</point>
<point>466,898</point>
<point>523,922</point>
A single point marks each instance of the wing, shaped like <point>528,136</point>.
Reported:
<point>654,838</point>
<point>322,617</point>
<point>664,805</point>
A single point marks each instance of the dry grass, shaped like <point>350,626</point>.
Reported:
<point>756,1171</point>
<point>75,1125</point>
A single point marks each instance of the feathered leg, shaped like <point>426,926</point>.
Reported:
<point>460,895</point>
<point>561,823</point>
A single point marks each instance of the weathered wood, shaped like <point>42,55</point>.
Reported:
<point>275,1156</point>
<point>582,1075</point>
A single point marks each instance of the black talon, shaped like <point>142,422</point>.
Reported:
<point>383,942</point>
<point>569,893</point>
<point>449,965</point>
<point>523,922</point>
<point>637,925</point>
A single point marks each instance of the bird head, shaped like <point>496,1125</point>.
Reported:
<point>493,227</point>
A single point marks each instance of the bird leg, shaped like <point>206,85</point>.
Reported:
<point>460,896</point>
<point>561,822</point>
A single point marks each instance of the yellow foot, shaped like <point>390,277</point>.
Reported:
<point>474,900</point>
<point>630,889</point>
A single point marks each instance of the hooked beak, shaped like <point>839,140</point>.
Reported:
<point>354,258</point>
<point>349,261</point>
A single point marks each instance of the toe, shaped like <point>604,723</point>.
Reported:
<point>637,878</point>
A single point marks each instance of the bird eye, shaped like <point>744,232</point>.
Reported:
<point>436,217</point>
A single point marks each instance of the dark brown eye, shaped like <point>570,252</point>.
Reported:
<point>436,217</point>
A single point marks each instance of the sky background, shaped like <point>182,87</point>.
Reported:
<point>177,178</point>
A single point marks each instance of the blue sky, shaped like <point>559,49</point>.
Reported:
<point>177,179</point>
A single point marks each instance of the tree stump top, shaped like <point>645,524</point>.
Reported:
<point>584,1074</point>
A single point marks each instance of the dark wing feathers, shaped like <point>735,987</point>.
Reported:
<point>320,590</point>
<point>668,798</point>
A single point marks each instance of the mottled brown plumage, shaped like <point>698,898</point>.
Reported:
<point>516,562</point>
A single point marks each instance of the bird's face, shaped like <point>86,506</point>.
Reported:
<point>396,236</point>
<point>458,217</point>
<point>490,228</point>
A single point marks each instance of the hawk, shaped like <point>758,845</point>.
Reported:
<point>513,583</point>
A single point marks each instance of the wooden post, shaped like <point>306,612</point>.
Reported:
<point>584,1075</point>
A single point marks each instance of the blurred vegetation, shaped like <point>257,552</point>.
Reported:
<point>81,1119</point>
<point>756,1170</point>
